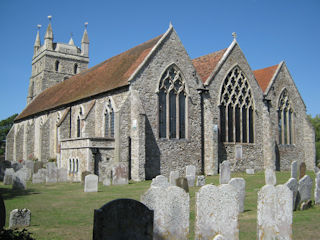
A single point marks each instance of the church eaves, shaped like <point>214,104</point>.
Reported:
<point>108,75</point>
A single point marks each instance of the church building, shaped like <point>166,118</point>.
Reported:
<point>156,110</point>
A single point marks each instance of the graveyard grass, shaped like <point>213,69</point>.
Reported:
<point>64,211</point>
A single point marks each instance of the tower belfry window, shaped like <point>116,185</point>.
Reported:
<point>285,119</point>
<point>57,65</point>
<point>172,104</point>
<point>236,108</point>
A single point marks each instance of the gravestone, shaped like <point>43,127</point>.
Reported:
<point>160,181</point>
<point>30,165</point>
<point>294,169</point>
<point>306,205</point>
<point>2,213</point>
<point>274,212</point>
<point>40,176</point>
<point>91,183</point>
<point>182,183</point>
<point>217,212</point>
<point>250,171</point>
<point>16,166</point>
<point>240,186</point>
<point>317,189</point>
<point>191,175</point>
<point>52,173</point>
<point>3,166</point>
<point>8,176</point>
<point>171,212</point>
<point>62,175</point>
<point>123,219</point>
<point>84,174</point>
<point>303,169</point>
<point>107,178</point>
<point>26,172</point>
<point>120,174</point>
<point>270,177</point>
<point>225,172</point>
<point>201,181</point>
<point>292,184</point>
<point>20,218</point>
<point>37,165</point>
<point>174,175</point>
<point>305,188</point>
<point>19,180</point>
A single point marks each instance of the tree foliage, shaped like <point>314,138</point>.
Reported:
<point>316,124</point>
<point>5,126</point>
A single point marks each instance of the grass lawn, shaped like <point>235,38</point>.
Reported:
<point>64,211</point>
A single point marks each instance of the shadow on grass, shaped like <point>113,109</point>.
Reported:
<point>8,193</point>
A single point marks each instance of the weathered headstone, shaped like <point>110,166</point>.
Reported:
<point>317,189</point>
<point>19,180</point>
<point>16,166</point>
<point>217,212</point>
<point>2,213</point>
<point>120,174</point>
<point>107,178</point>
<point>37,165</point>
<point>62,175</point>
<point>201,181</point>
<point>91,183</point>
<point>8,176</point>
<point>303,169</point>
<point>182,183</point>
<point>20,218</point>
<point>270,177</point>
<point>240,186</point>
<point>52,172</point>
<point>250,171</point>
<point>305,188</point>
<point>274,212</point>
<point>292,184</point>
<point>294,169</point>
<point>30,165</point>
<point>84,174</point>
<point>40,176</point>
<point>160,181</point>
<point>25,172</point>
<point>191,175</point>
<point>225,172</point>
<point>174,175</point>
<point>171,212</point>
<point>3,166</point>
<point>123,219</point>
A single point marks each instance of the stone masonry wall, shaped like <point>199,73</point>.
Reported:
<point>309,144</point>
<point>10,144</point>
<point>19,142</point>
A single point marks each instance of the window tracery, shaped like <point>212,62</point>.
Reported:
<point>172,104</point>
<point>285,119</point>
<point>236,108</point>
<point>109,120</point>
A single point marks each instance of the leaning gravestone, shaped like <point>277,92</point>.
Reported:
<point>16,166</point>
<point>160,181</point>
<point>182,183</point>
<point>40,176</point>
<point>2,213</point>
<point>8,175</point>
<point>201,181</point>
<point>191,175</point>
<point>19,180</point>
<point>292,184</point>
<point>120,174</point>
<point>217,212</point>
<point>240,186</point>
<point>305,188</point>
<point>317,189</point>
<point>274,212</point>
<point>294,169</point>
<point>303,169</point>
<point>52,173</point>
<point>91,183</point>
<point>20,218</point>
<point>62,175</point>
<point>123,219</point>
<point>174,175</point>
<point>225,172</point>
<point>171,212</point>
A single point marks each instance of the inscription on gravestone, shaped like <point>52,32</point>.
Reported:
<point>123,219</point>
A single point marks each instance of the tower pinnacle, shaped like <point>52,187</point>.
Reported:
<point>48,38</point>
<point>85,41</point>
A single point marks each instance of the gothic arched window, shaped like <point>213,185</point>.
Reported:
<point>236,108</point>
<point>285,119</point>
<point>109,120</point>
<point>172,104</point>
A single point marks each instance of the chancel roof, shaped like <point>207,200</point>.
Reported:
<point>110,74</point>
<point>264,76</point>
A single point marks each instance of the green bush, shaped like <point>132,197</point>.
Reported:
<point>10,234</point>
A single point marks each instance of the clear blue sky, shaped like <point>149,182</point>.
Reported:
<point>268,32</point>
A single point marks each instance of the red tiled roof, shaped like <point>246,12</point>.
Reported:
<point>206,64</point>
<point>264,76</point>
<point>110,74</point>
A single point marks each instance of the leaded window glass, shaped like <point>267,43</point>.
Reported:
<point>285,119</point>
<point>109,120</point>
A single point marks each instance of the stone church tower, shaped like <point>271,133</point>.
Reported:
<point>53,62</point>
